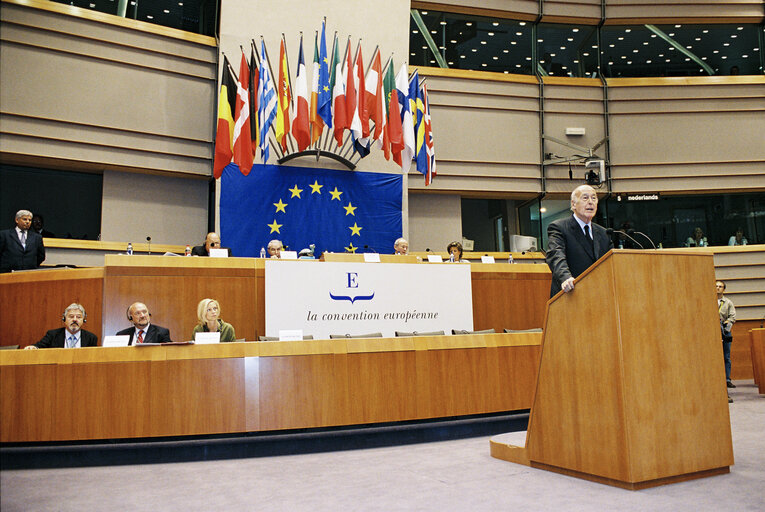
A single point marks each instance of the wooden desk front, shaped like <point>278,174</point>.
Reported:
<point>134,392</point>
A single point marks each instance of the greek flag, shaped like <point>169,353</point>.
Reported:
<point>266,102</point>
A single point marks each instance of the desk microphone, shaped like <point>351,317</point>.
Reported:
<point>644,236</point>
<point>611,231</point>
<point>368,249</point>
<point>148,241</point>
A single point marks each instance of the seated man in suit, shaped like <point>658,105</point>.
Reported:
<point>275,249</point>
<point>575,243</point>
<point>21,248</point>
<point>212,241</point>
<point>72,335</point>
<point>143,331</point>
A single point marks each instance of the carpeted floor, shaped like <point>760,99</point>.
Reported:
<point>447,475</point>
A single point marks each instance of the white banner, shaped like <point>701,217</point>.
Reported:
<point>324,298</point>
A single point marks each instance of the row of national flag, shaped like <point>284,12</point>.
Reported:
<point>346,110</point>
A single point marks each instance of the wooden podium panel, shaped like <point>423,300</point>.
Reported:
<point>757,337</point>
<point>631,388</point>
<point>28,402</point>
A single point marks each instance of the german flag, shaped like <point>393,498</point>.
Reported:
<point>224,136</point>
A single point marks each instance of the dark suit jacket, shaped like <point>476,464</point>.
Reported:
<point>13,256</point>
<point>569,253</point>
<point>155,334</point>
<point>200,250</point>
<point>56,338</point>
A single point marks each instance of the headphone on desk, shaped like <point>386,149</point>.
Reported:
<point>74,305</point>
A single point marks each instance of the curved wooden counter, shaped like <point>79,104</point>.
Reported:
<point>154,391</point>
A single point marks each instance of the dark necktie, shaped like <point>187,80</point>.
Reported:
<point>589,238</point>
<point>24,239</point>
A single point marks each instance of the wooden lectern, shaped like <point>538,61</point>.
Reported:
<point>631,386</point>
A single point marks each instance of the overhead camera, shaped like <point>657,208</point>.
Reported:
<point>595,171</point>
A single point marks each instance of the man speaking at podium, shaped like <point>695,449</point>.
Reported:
<point>575,243</point>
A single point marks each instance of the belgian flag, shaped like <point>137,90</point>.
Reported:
<point>224,136</point>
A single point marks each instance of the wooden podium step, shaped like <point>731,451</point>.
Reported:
<point>510,447</point>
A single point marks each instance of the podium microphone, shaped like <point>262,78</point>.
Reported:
<point>367,249</point>
<point>148,241</point>
<point>611,231</point>
<point>644,236</point>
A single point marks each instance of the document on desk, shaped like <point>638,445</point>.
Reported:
<point>355,297</point>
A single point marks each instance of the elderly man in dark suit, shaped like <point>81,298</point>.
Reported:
<point>143,331</point>
<point>212,241</point>
<point>21,248</point>
<point>72,335</point>
<point>575,243</point>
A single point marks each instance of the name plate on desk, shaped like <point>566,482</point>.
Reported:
<point>355,298</point>
<point>202,338</point>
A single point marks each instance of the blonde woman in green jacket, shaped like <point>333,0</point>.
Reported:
<point>208,313</point>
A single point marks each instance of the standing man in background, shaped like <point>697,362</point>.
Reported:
<point>727,318</point>
<point>575,243</point>
<point>21,248</point>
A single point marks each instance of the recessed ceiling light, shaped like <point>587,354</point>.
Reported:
<point>739,28</point>
<point>513,42</point>
<point>629,62</point>
<point>434,31</point>
<point>586,54</point>
<point>453,41</point>
<point>412,54</point>
<point>540,40</point>
<point>149,17</point>
<point>469,24</point>
<point>611,63</point>
<point>661,55</point>
<point>415,32</point>
<point>491,33</point>
<point>705,31</point>
<point>519,33</point>
<point>724,57</point>
<point>611,45</point>
<point>506,72</point>
<point>703,58</point>
<point>442,23</point>
<point>523,23</point>
<point>687,59</point>
<point>745,56</point>
<point>733,36</point>
<point>678,26</point>
<point>576,61</point>
<point>716,51</point>
<point>424,47</point>
<point>645,43</point>
<point>552,55</point>
<point>689,47</point>
<point>505,51</point>
<point>528,58</point>
<point>595,46</point>
<point>569,39</point>
<point>726,44</point>
<point>495,58</point>
<point>635,50</point>
<point>496,23</point>
<point>648,61</point>
<point>620,38</point>
<point>697,39</point>
<point>451,63</point>
<point>623,57</point>
<point>628,31</point>
<point>562,47</point>
<point>653,35</point>
<point>517,65</point>
<point>442,47</point>
<point>166,11</point>
<point>473,50</point>
<point>671,48</point>
<point>432,62</point>
<point>574,30</point>
<point>483,65</point>
<point>462,56</point>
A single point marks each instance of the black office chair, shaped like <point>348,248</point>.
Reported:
<point>463,331</point>
<point>276,338</point>
<point>370,335</point>
<point>415,333</point>
<point>536,329</point>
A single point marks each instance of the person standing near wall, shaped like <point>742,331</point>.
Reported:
<point>727,318</point>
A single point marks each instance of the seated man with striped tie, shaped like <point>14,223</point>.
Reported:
<point>72,335</point>
<point>143,331</point>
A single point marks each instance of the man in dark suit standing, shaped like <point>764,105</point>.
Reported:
<point>21,248</point>
<point>575,243</point>
<point>72,335</point>
<point>212,241</point>
<point>143,331</point>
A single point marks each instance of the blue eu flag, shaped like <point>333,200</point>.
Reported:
<point>338,211</point>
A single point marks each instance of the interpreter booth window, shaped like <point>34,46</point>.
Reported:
<point>673,221</point>
<point>197,16</point>
<point>567,50</point>
<point>681,50</point>
<point>68,203</point>
<point>459,41</point>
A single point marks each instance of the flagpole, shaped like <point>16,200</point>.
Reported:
<point>327,135</point>
<point>289,88</point>
<point>277,146</point>
<point>342,67</point>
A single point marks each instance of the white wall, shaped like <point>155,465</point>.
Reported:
<point>170,210</point>
<point>434,221</point>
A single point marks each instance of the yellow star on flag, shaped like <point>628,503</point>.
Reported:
<point>355,229</point>
<point>280,206</point>
<point>295,191</point>
<point>274,227</point>
<point>335,194</point>
<point>316,188</point>
<point>349,209</point>
<point>351,248</point>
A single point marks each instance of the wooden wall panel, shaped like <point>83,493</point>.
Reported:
<point>35,301</point>
<point>103,400</point>
<point>381,385</point>
<point>510,300</point>
<point>191,397</point>
<point>27,404</point>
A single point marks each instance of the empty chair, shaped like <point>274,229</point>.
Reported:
<point>536,329</point>
<point>463,331</point>
<point>276,338</point>
<point>370,335</point>
<point>415,333</point>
